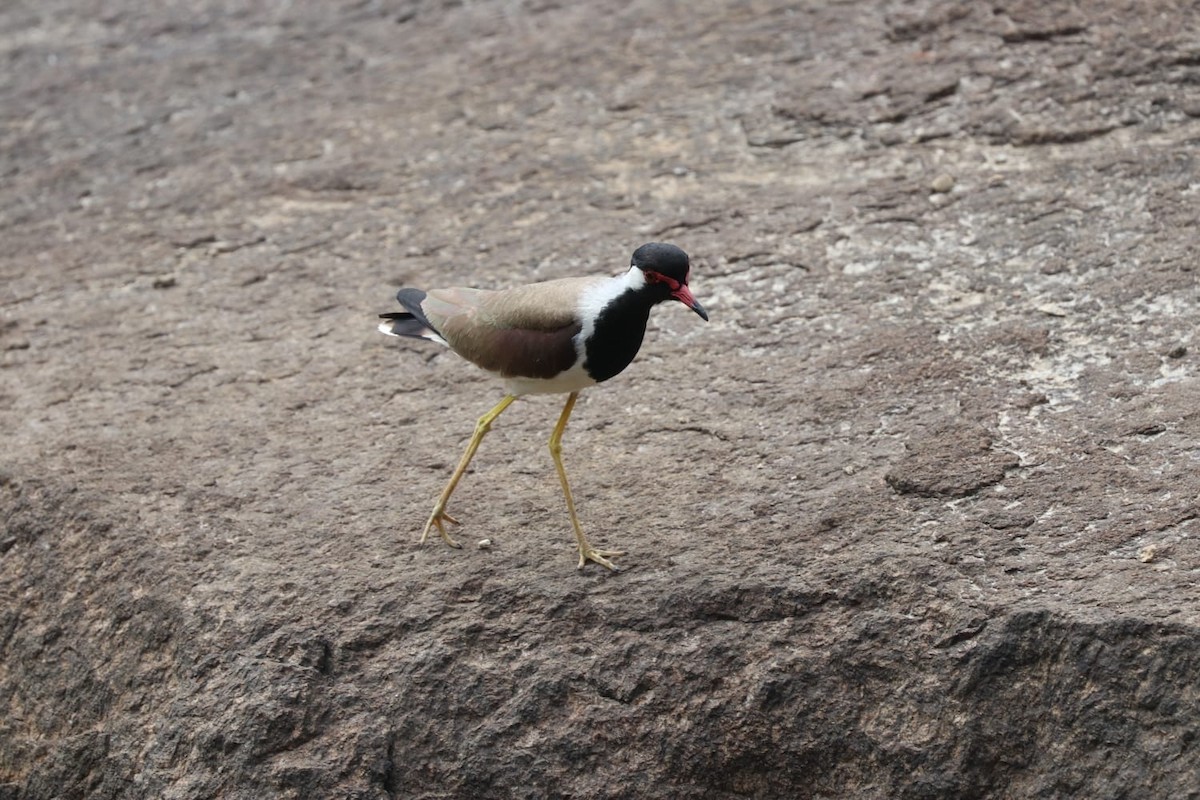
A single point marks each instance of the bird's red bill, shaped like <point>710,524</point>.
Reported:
<point>684,295</point>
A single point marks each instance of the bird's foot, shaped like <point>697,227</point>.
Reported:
<point>437,520</point>
<point>590,553</point>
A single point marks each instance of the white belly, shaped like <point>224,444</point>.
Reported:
<point>572,380</point>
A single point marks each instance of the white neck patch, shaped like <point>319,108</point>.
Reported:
<point>593,301</point>
<point>634,279</point>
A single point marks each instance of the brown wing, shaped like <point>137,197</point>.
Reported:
<point>526,331</point>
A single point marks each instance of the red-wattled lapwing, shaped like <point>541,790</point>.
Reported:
<point>551,337</point>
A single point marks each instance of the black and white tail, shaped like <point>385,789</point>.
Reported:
<point>411,321</point>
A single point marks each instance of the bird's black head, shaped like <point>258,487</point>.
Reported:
<point>665,259</point>
<point>667,269</point>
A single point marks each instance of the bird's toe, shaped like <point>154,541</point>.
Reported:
<point>600,557</point>
<point>436,520</point>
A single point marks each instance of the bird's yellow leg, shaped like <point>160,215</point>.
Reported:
<point>586,551</point>
<point>439,515</point>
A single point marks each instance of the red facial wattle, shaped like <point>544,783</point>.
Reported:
<point>680,292</point>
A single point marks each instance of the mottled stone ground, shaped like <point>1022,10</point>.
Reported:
<point>913,517</point>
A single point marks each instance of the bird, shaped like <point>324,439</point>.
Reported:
<point>553,337</point>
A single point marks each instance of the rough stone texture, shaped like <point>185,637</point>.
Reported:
<point>913,517</point>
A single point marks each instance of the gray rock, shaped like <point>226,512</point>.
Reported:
<point>913,517</point>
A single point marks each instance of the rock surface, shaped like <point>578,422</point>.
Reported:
<point>913,517</point>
